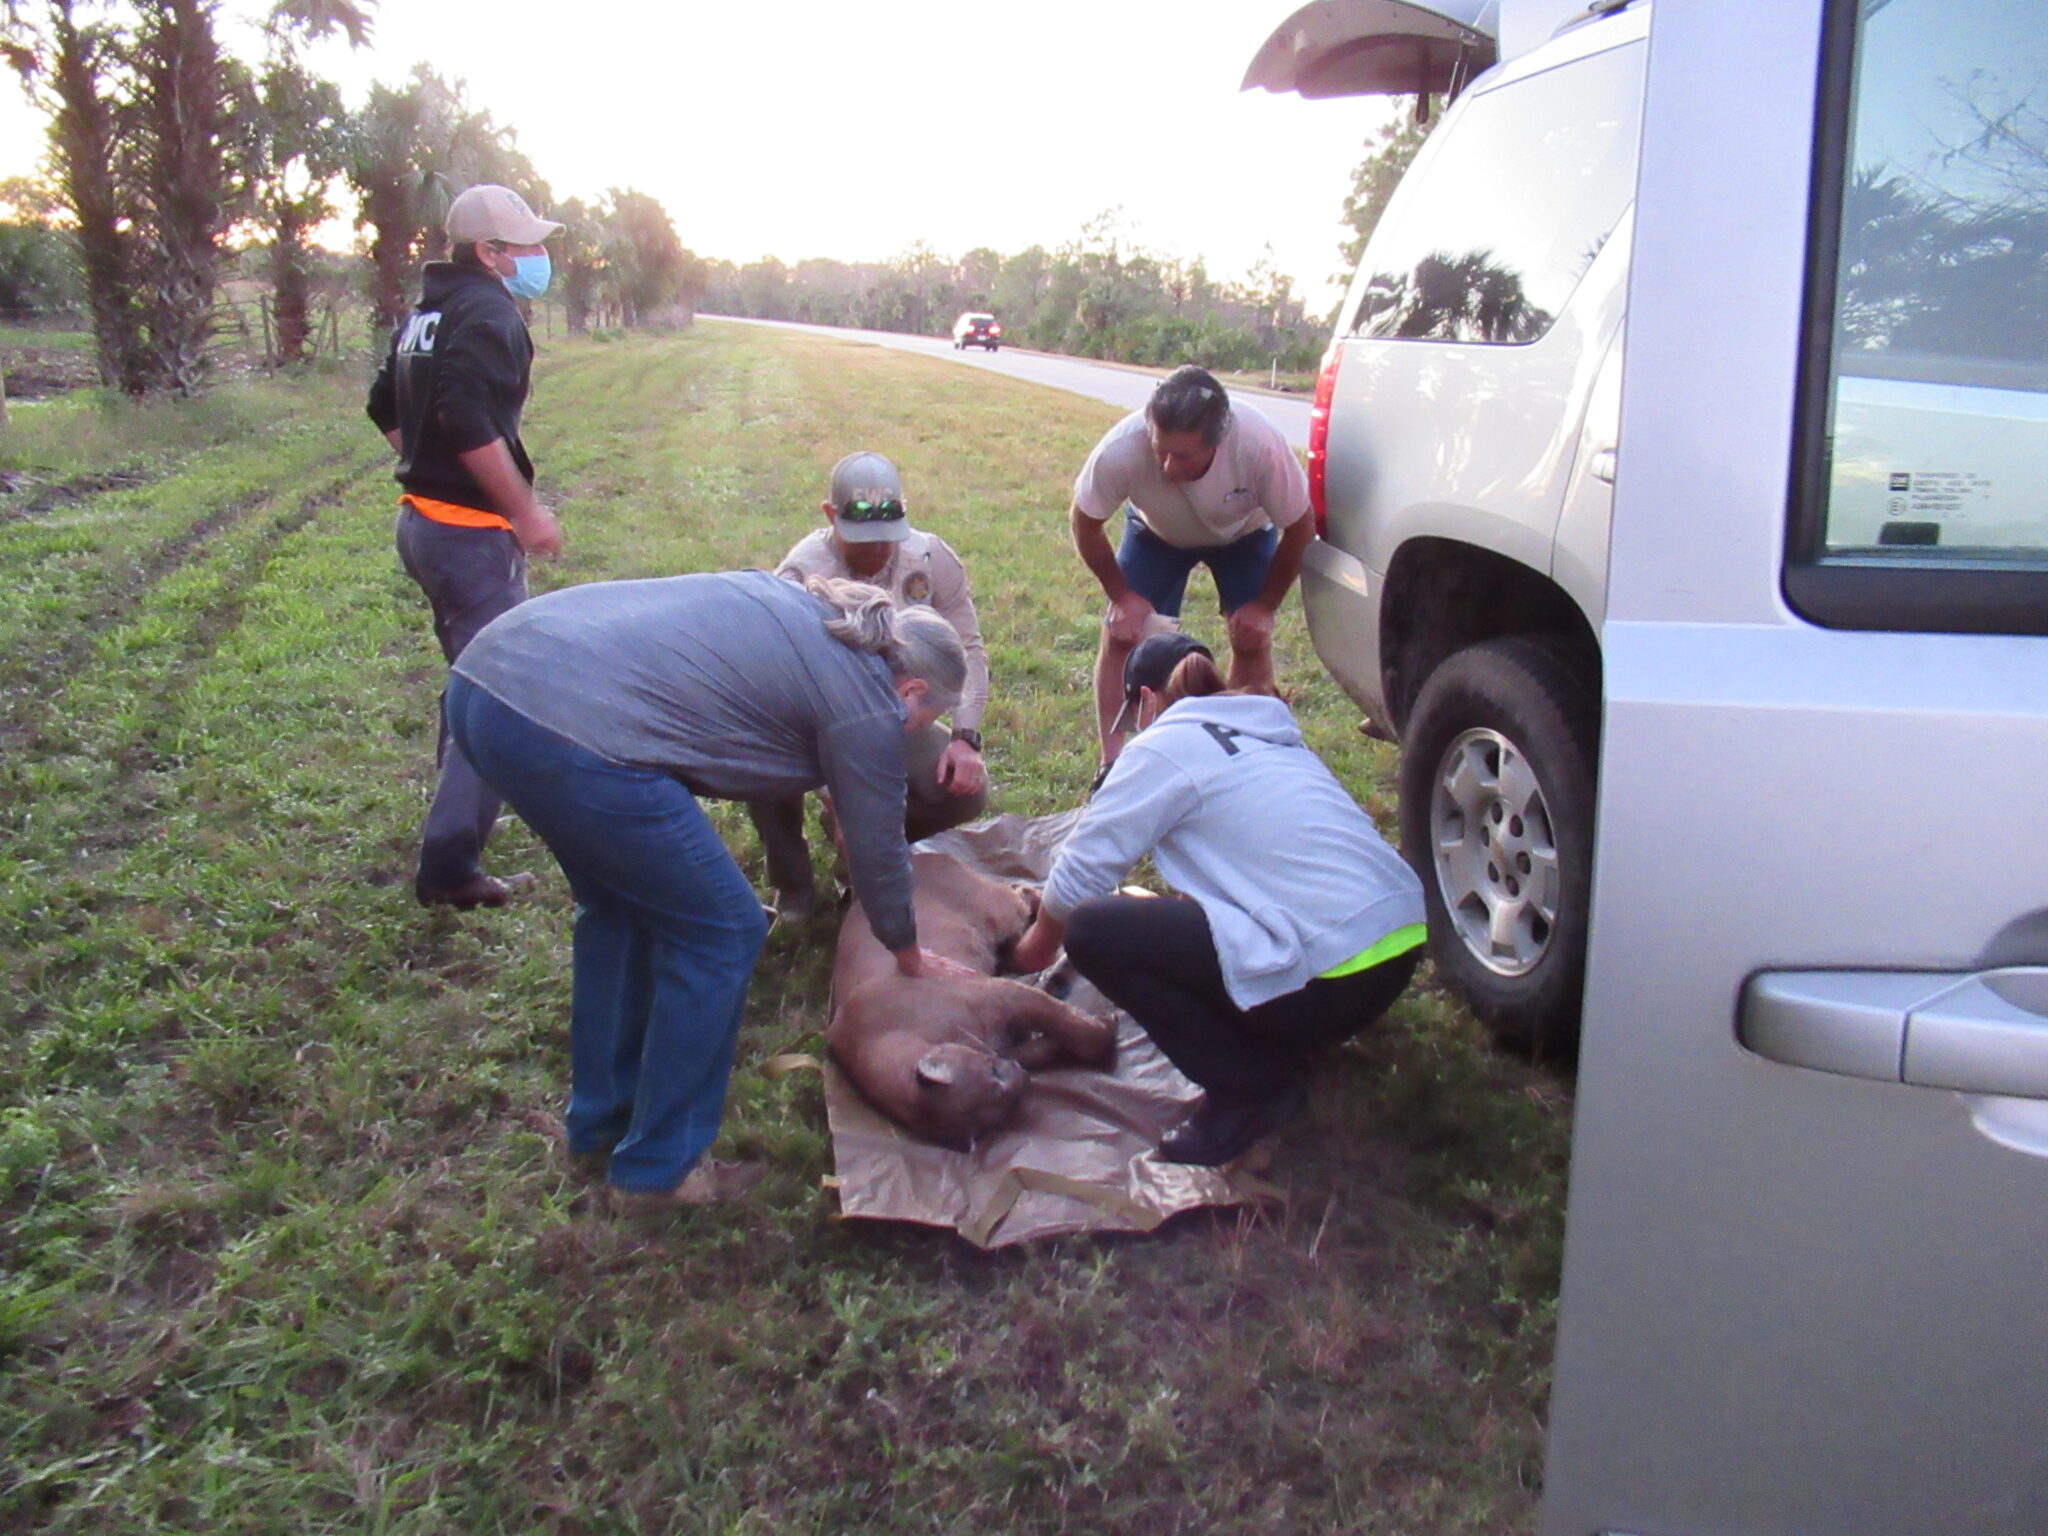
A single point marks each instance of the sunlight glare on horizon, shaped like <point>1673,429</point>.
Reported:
<point>853,132</point>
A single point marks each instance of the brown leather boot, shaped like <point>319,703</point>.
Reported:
<point>709,1181</point>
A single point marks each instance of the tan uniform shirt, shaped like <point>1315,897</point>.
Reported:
<point>921,569</point>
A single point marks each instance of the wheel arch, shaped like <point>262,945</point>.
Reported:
<point>1442,595</point>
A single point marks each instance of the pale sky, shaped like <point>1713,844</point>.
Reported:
<point>810,128</point>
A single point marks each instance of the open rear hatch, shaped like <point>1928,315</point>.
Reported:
<point>1379,48</point>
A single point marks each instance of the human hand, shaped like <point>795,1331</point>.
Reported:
<point>538,533</point>
<point>1039,946</point>
<point>1126,619</point>
<point>1251,628</point>
<point>961,771</point>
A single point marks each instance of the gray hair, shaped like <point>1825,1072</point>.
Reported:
<point>915,641</point>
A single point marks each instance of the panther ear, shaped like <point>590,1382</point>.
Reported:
<point>934,1069</point>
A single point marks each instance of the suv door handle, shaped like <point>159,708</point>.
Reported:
<point>1986,1033</point>
<point>1602,466</point>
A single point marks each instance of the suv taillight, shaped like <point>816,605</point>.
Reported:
<point>1319,438</point>
<point>995,330</point>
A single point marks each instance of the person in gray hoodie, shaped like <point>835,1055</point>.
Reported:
<point>1296,925</point>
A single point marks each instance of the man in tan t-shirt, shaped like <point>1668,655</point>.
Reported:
<point>867,537</point>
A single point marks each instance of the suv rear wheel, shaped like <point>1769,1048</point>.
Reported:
<point>1497,817</point>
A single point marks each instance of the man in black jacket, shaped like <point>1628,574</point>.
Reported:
<point>449,396</point>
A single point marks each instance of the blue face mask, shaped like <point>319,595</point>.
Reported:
<point>530,275</point>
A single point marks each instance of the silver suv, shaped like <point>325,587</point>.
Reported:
<point>1808,1214</point>
<point>1461,461</point>
<point>1463,449</point>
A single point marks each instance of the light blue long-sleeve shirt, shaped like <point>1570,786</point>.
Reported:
<point>1239,814</point>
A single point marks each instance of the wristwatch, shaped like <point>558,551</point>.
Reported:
<point>971,737</point>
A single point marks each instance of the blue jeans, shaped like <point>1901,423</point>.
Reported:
<point>667,933</point>
<point>1159,571</point>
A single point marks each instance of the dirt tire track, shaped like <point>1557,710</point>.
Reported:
<point>226,615</point>
<point>47,497</point>
<point>31,683</point>
<point>124,806</point>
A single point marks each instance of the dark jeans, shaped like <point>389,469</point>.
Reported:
<point>470,576</point>
<point>667,933</point>
<point>1154,958</point>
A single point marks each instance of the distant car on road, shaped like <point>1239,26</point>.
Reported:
<point>977,330</point>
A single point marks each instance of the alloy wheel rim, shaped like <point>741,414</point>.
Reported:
<point>1495,852</point>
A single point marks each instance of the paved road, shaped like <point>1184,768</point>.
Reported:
<point>1099,381</point>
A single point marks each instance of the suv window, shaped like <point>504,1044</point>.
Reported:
<point>1489,242</point>
<point>1922,500</point>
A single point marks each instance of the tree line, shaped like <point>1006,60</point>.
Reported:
<point>175,164</point>
<point>172,159</point>
<point>1098,295</point>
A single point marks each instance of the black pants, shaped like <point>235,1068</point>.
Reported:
<point>1154,958</point>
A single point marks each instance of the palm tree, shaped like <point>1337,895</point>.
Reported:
<point>383,167</point>
<point>296,147</point>
<point>409,151</point>
<point>296,152</point>
<point>69,64</point>
<point>581,252</point>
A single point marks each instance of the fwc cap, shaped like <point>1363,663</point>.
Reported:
<point>490,212</point>
<point>1149,665</point>
<point>867,500</point>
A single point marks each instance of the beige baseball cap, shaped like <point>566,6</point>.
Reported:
<point>490,212</point>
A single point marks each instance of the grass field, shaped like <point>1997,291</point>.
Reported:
<point>37,362</point>
<point>288,1243</point>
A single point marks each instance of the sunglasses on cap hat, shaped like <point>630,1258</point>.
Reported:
<point>861,510</point>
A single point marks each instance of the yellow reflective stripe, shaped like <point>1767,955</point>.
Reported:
<point>1399,942</point>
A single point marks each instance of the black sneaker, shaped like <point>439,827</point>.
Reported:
<point>1222,1130</point>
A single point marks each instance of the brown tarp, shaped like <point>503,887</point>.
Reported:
<point>1079,1154</point>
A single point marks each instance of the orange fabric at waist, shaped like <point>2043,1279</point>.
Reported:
<point>453,513</point>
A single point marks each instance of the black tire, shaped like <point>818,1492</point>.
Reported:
<point>1507,861</point>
